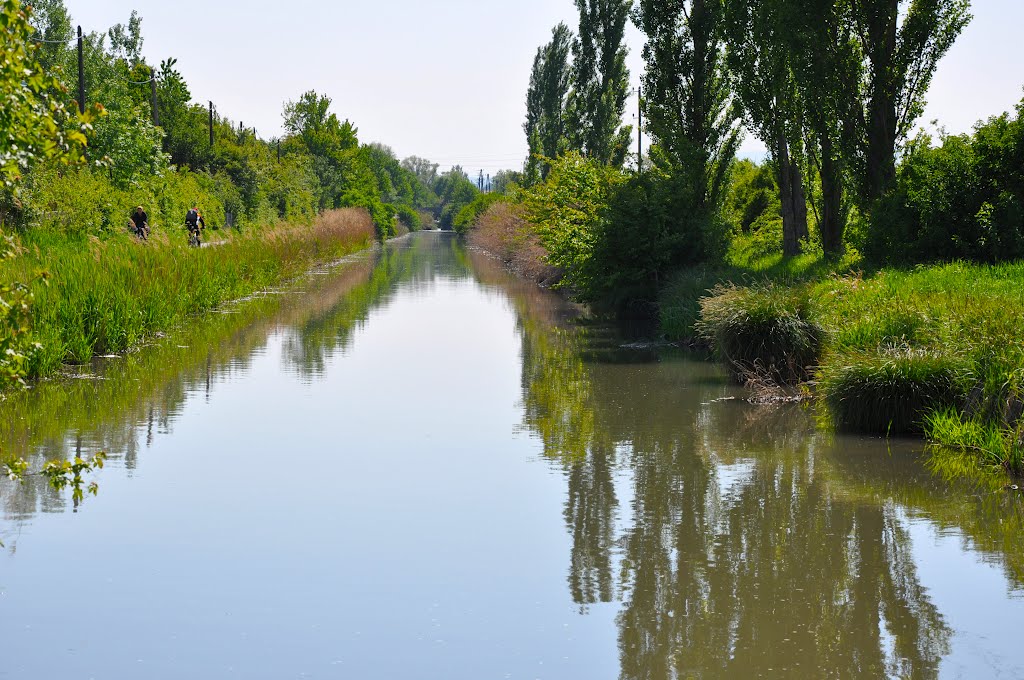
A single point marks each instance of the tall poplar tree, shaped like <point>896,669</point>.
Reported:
<point>760,64</point>
<point>687,95</point>
<point>828,71</point>
<point>902,42</point>
<point>600,82</point>
<point>546,101</point>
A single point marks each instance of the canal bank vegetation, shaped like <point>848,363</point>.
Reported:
<point>874,265</point>
<point>76,283</point>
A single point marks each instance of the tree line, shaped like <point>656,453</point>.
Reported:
<point>832,88</point>
<point>121,154</point>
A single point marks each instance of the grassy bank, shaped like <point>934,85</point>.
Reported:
<point>103,297</point>
<point>934,350</point>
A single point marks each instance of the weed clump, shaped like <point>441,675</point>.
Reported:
<point>891,390</point>
<point>762,330</point>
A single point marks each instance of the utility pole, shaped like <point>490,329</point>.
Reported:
<point>81,73</point>
<point>278,150</point>
<point>639,130</point>
<point>152,90</point>
<point>211,123</point>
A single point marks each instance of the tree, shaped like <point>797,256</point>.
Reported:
<point>687,95</point>
<point>37,121</point>
<point>332,144</point>
<point>600,82</point>
<point>761,70</point>
<point>902,42</point>
<point>546,101</point>
<point>827,69</point>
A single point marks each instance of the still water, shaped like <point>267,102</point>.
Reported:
<point>412,465</point>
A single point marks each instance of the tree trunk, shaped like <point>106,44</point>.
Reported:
<point>831,226</point>
<point>881,132</point>
<point>799,202</point>
<point>790,239</point>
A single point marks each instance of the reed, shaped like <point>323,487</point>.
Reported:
<point>103,297</point>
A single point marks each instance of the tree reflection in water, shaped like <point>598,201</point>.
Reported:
<point>743,553</point>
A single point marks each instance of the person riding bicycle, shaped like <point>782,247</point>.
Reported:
<point>194,221</point>
<point>140,221</point>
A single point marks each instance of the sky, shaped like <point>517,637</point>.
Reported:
<point>446,79</point>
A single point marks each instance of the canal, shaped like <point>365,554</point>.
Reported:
<point>413,465</point>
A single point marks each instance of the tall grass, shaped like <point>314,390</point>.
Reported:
<point>764,330</point>
<point>106,296</point>
<point>935,350</point>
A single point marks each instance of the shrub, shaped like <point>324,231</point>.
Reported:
<point>962,199</point>
<point>470,213</point>
<point>409,217</point>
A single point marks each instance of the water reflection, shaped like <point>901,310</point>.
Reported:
<point>122,405</point>
<point>741,541</point>
<point>708,537</point>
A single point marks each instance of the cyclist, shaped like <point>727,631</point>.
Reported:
<point>194,222</point>
<point>140,222</point>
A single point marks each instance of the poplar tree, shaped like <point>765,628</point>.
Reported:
<point>546,101</point>
<point>600,82</point>
<point>828,71</point>
<point>688,99</point>
<point>760,64</point>
<point>902,42</point>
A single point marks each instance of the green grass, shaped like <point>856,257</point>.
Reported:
<point>763,330</point>
<point>103,297</point>
<point>898,347</point>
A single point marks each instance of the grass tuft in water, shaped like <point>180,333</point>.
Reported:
<point>762,330</point>
<point>891,390</point>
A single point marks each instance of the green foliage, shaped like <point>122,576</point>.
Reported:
<point>471,212</point>
<point>454,191</point>
<point>567,211</point>
<point>62,474</point>
<point>600,82</point>
<point>17,349</point>
<point>687,98</point>
<point>753,196</point>
<point>962,199</point>
<point>409,217</point>
<point>37,121</point>
<point>547,126</point>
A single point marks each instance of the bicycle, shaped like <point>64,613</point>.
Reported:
<point>142,233</point>
<point>194,239</point>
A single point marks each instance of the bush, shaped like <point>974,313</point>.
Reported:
<point>963,199</point>
<point>469,214</point>
<point>409,217</point>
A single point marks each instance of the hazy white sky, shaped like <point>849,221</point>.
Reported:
<point>447,79</point>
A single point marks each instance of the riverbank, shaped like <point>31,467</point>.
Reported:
<point>933,351</point>
<point>105,296</point>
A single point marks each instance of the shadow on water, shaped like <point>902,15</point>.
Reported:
<point>739,540</point>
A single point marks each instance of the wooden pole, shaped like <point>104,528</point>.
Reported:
<point>81,73</point>
<point>211,123</point>
<point>639,130</point>
<point>152,91</point>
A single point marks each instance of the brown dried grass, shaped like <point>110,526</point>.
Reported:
<point>504,232</point>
